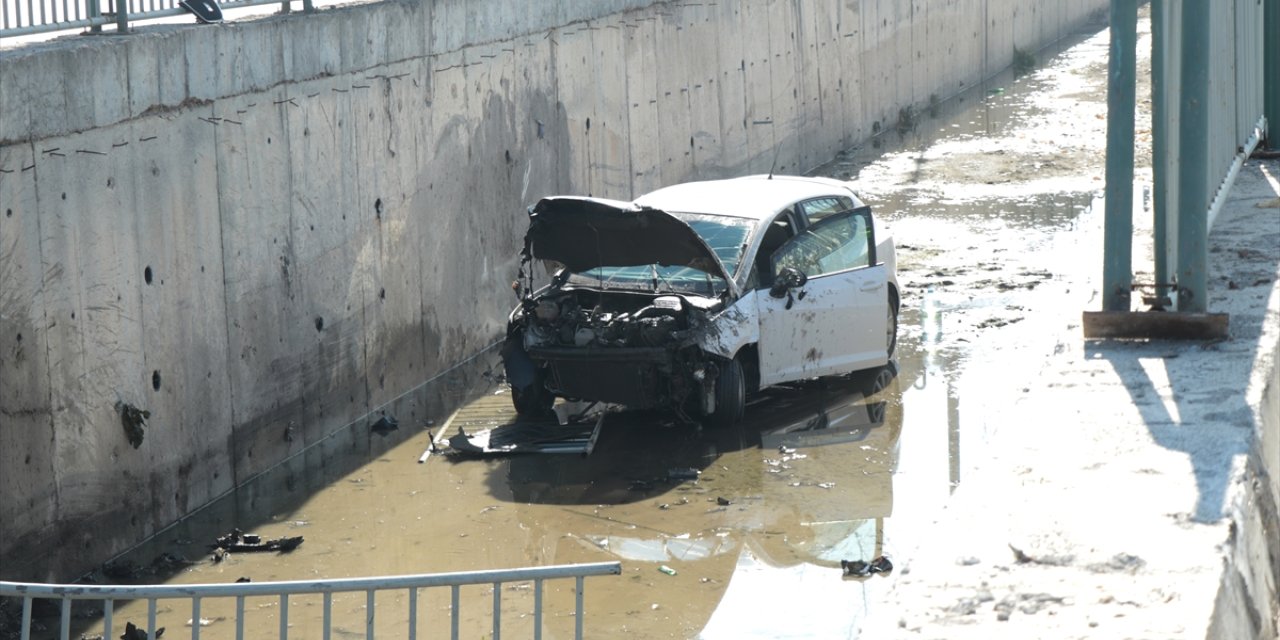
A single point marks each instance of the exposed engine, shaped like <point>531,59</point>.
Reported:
<point>581,318</point>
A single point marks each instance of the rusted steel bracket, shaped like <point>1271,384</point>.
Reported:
<point>1155,325</point>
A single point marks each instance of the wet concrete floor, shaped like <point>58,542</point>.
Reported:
<point>982,194</point>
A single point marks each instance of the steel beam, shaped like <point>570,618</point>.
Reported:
<point>1117,262</point>
<point>1193,165</point>
<point>1159,148</point>
<point>1271,71</point>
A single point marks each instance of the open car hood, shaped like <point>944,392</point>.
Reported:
<point>584,233</point>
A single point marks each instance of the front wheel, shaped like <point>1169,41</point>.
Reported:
<point>533,401</point>
<point>891,329</point>
<point>731,395</point>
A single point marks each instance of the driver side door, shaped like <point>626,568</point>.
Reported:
<point>834,322</point>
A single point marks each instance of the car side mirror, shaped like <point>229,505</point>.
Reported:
<point>787,279</point>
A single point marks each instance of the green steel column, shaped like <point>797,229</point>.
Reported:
<point>1117,261</point>
<point>1159,144</point>
<point>1193,149</point>
<point>1271,71</point>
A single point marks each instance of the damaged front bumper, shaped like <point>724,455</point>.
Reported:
<point>640,377</point>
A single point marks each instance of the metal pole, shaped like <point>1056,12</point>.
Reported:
<point>1193,166</point>
<point>1271,71</point>
<point>122,16</point>
<point>1159,150</point>
<point>1117,262</point>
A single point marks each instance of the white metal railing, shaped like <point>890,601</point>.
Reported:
<point>109,595</point>
<point>26,17</point>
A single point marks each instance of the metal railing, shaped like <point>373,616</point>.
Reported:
<point>197,593</point>
<point>27,17</point>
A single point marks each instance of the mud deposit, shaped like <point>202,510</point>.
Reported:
<point>982,193</point>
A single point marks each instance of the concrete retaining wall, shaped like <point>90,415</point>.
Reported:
<point>261,232</point>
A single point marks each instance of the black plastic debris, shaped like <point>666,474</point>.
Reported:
<point>386,424</point>
<point>861,569</point>
<point>239,542</point>
<point>205,11</point>
<point>133,632</point>
<point>724,502</point>
<point>243,579</point>
<point>134,421</point>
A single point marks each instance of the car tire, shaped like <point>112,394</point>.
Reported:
<point>731,395</point>
<point>534,401</point>
<point>891,331</point>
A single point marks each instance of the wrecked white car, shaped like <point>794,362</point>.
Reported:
<point>696,295</point>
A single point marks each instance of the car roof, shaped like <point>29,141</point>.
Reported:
<point>755,197</point>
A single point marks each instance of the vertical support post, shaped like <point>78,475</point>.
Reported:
<point>1159,146</point>
<point>369,611</point>
<point>1193,151</point>
<point>454,599</point>
<point>577,611</point>
<point>497,611</point>
<point>1271,71</point>
<point>1117,261</point>
<point>195,618</point>
<point>284,616</point>
<point>537,609</point>
<point>413,613</point>
<point>122,16</point>
<point>328,614</point>
<point>64,623</point>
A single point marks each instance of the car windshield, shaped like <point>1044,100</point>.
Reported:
<point>725,235</point>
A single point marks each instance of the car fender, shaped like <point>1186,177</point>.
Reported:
<point>730,330</point>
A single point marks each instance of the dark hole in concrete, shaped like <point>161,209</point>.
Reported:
<point>110,183</point>
<point>201,268</point>
<point>588,124</point>
<point>155,380</point>
<point>377,208</point>
<point>268,140</point>
<point>690,142</point>
<point>382,293</point>
<point>64,195</point>
<point>146,274</point>
<point>73,315</point>
<point>313,227</point>
<point>27,460</point>
<point>133,520</point>
<point>8,213</point>
<point>19,337</point>
<point>155,171</point>
<point>319,323</point>
<point>507,154</point>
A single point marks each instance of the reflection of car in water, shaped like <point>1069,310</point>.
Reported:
<point>698,294</point>
<point>807,480</point>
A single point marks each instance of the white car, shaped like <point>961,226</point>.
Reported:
<point>698,294</point>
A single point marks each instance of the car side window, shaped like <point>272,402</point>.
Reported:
<point>780,230</point>
<point>819,209</point>
<point>837,243</point>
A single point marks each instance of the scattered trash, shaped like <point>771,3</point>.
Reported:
<point>386,424</point>
<point>243,579</point>
<point>667,570</point>
<point>1119,562</point>
<point>1050,560</point>
<point>238,541</point>
<point>724,502</point>
<point>967,561</point>
<point>219,554</point>
<point>683,473</point>
<point>860,569</point>
<point>134,421</point>
<point>826,485</point>
<point>132,632</point>
<point>204,622</point>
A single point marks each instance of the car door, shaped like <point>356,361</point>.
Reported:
<point>835,322</point>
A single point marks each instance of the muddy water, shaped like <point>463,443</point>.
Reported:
<point>982,193</point>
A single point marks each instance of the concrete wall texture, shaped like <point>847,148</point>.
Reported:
<point>261,232</point>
